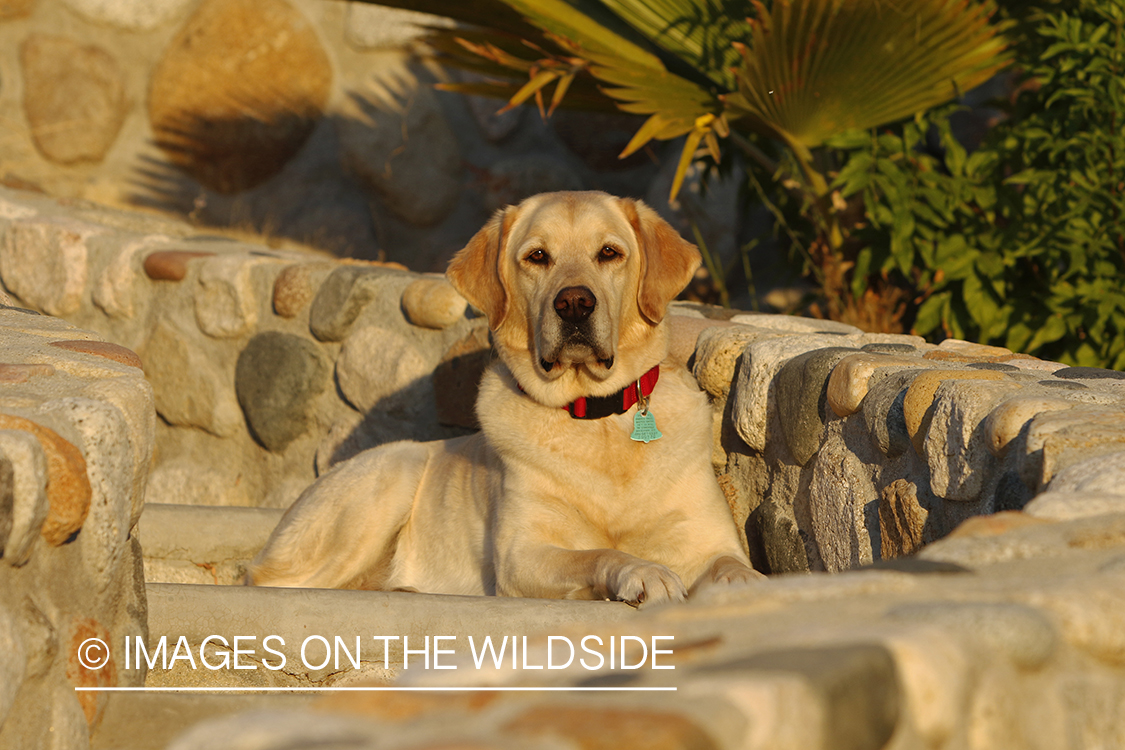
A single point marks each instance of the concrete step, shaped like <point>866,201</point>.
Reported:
<point>188,614</point>
<point>199,623</point>
<point>201,543</point>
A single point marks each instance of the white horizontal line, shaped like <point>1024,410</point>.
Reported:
<point>362,689</point>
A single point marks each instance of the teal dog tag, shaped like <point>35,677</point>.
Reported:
<point>644,427</point>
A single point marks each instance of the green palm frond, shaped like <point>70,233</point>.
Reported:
<point>633,74</point>
<point>800,71</point>
<point>700,32</point>
<point>817,68</point>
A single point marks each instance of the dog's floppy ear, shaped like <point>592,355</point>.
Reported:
<point>475,269</point>
<point>668,261</point>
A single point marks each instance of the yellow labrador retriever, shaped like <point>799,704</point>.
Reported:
<point>591,477</point>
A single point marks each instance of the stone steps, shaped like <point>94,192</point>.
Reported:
<point>186,543</point>
<point>202,544</point>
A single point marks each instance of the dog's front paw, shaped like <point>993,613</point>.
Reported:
<point>644,583</point>
<point>727,570</point>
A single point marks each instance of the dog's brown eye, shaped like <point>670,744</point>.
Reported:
<point>538,257</point>
<point>608,253</point>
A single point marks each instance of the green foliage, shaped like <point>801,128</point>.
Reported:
<point>1021,242</point>
<point>798,72</point>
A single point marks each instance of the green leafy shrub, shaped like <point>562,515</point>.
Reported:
<point>1020,243</point>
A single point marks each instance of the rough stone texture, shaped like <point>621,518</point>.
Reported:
<point>795,324</point>
<point>842,502</point>
<point>1066,506</point>
<point>1104,474</point>
<point>68,487</point>
<point>802,385</point>
<point>902,521</point>
<point>433,303</point>
<point>889,348</point>
<point>920,397</point>
<point>136,405</point>
<point>851,379</point>
<point>66,509</point>
<point>190,388</point>
<point>239,91</point>
<point>884,413</point>
<point>716,352</point>
<point>117,291</point>
<point>45,262</point>
<point>1063,385</point>
<point>24,373</point>
<point>406,153</point>
<point>192,544</point>
<point>857,686</point>
<point>1007,420</point>
<point>956,445</point>
<point>226,304</point>
<point>132,15</point>
<point>973,349</point>
<point>1059,439</point>
<point>782,549</point>
<point>277,378</point>
<point>1035,365</point>
<point>189,481</point>
<point>381,369</point>
<point>74,98</point>
<point>761,360</point>
<point>104,436</point>
<point>25,481</point>
<point>342,297</point>
<point>296,285</point>
<point>1007,633</point>
<point>611,727</point>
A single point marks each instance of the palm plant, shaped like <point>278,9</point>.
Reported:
<point>775,80</point>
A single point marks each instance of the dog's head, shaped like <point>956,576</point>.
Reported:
<point>575,286</point>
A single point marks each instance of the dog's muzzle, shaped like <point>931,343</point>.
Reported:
<point>574,307</point>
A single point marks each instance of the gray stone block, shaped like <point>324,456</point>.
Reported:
<point>1089,373</point>
<point>801,386</point>
<point>858,687</point>
<point>1019,632</point>
<point>343,296</point>
<point>780,539</point>
<point>277,378</point>
<point>883,410</point>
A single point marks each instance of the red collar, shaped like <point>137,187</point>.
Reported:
<point>596,407</point>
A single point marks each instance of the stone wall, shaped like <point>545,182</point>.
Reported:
<point>76,438</point>
<point>268,365</point>
<point>841,448</point>
<point>984,486</point>
<point>305,121</point>
<point>836,447</point>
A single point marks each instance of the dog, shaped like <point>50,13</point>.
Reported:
<point>591,475</point>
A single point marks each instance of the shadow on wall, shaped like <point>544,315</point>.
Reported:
<point>417,411</point>
<point>399,173</point>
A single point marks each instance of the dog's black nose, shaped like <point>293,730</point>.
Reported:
<point>575,303</point>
